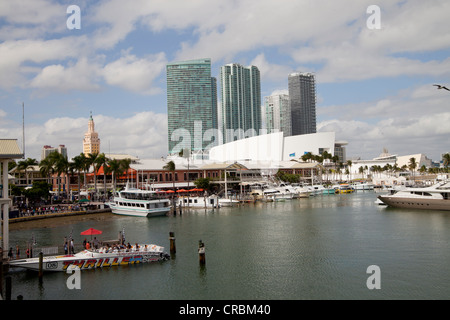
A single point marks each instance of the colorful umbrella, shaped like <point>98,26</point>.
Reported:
<point>91,231</point>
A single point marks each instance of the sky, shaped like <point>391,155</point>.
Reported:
<point>374,70</point>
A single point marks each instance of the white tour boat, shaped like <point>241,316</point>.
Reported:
<point>436,197</point>
<point>100,258</point>
<point>141,203</point>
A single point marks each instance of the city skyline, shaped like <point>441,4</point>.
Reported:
<point>375,87</point>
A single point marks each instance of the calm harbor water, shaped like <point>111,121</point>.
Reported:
<point>316,248</point>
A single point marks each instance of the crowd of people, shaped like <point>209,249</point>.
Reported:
<point>26,211</point>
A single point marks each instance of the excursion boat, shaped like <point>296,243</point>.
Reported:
<point>99,258</point>
<point>140,203</point>
<point>436,197</point>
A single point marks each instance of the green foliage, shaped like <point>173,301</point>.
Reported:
<point>287,177</point>
<point>203,183</point>
<point>40,190</point>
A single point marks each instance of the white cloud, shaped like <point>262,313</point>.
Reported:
<point>80,76</point>
<point>135,74</point>
<point>270,71</point>
<point>143,134</point>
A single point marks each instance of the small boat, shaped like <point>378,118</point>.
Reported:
<point>141,203</point>
<point>363,186</point>
<point>226,202</point>
<point>436,197</point>
<point>98,258</point>
<point>344,188</point>
<point>327,190</point>
<point>303,192</point>
<point>198,202</point>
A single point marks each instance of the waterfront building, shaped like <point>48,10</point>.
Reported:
<point>275,147</point>
<point>340,151</point>
<point>191,105</point>
<point>46,150</point>
<point>91,141</point>
<point>420,158</point>
<point>241,101</point>
<point>302,97</point>
<point>277,114</point>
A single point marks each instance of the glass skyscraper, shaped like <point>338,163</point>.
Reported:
<point>277,113</point>
<point>191,104</point>
<point>241,101</point>
<point>302,96</point>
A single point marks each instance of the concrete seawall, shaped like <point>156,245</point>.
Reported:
<point>57,215</point>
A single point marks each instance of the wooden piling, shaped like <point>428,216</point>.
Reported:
<point>201,253</point>
<point>41,264</point>
<point>173,248</point>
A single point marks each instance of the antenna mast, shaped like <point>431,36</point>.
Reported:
<point>23,129</point>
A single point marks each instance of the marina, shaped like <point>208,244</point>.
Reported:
<point>308,248</point>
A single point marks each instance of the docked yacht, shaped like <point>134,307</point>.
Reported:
<point>363,186</point>
<point>142,203</point>
<point>227,202</point>
<point>436,197</point>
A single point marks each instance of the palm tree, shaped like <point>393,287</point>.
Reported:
<point>125,166</point>
<point>423,169</point>
<point>101,161</point>
<point>78,165</point>
<point>92,162</point>
<point>46,169</point>
<point>361,171</point>
<point>114,167</point>
<point>446,160</point>
<point>61,165</point>
<point>349,165</point>
<point>412,165</point>
<point>24,164</point>
<point>171,167</point>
